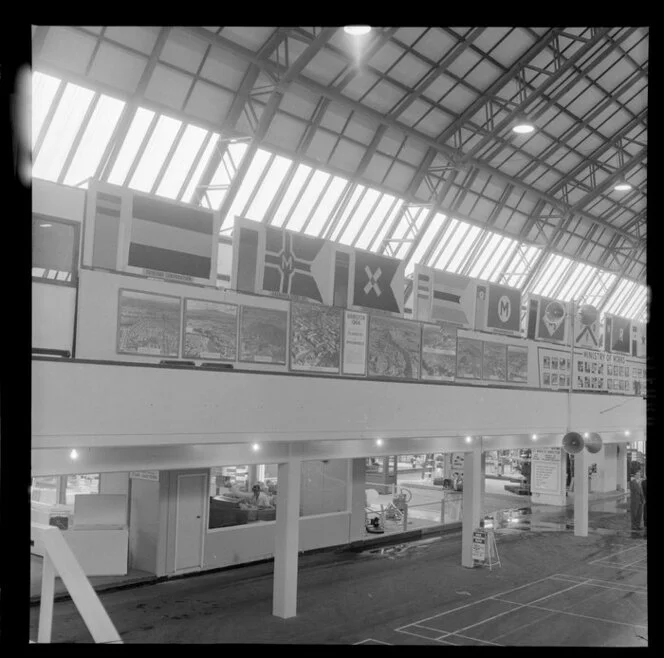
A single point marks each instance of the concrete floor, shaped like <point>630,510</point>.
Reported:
<point>552,589</point>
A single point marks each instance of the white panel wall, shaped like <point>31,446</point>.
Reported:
<point>255,541</point>
<point>53,316</point>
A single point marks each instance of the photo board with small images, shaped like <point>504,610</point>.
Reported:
<point>638,376</point>
<point>619,379</point>
<point>590,370</point>
<point>554,368</point>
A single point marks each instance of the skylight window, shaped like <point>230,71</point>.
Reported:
<point>44,88</point>
<point>247,186</point>
<point>519,266</point>
<point>94,141</point>
<point>487,251</point>
<point>273,179</point>
<point>598,287</point>
<point>135,134</point>
<point>307,200</point>
<point>155,152</point>
<point>473,233</point>
<point>425,242</point>
<point>444,251</point>
<point>216,190</point>
<point>358,217</point>
<point>181,162</point>
<point>326,206</point>
<point>377,217</point>
<point>377,241</point>
<point>200,168</point>
<point>496,263</point>
<point>62,131</point>
<point>350,207</point>
<point>299,179</point>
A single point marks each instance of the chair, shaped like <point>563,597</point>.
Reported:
<point>374,506</point>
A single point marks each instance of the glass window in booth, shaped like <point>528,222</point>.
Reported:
<point>45,490</point>
<point>87,483</point>
<point>54,249</point>
<point>232,499</point>
<point>324,487</point>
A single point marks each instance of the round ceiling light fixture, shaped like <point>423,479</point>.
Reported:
<point>255,447</point>
<point>379,442</point>
<point>622,186</point>
<point>357,30</point>
<point>523,127</point>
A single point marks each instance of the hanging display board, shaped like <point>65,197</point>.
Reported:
<point>439,343</point>
<point>517,364</point>
<point>587,332</point>
<point>548,320</point>
<point>469,358</point>
<point>263,334</point>
<point>315,337</point>
<point>554,368</point>
<point>376,282</point>
<point>355,343</point>
<point>148,324</point>
<point>443,297</point>
<point>498,309</point>
<point>394,347</point>
<point>617,334</point>
<point>210,330</point>
<point>618,375</point>
<point>494,361</point>
<point>638,376</point>
<point>590,370</point>
<point>639,335</point>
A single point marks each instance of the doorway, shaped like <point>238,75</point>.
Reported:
<point>189,520</point>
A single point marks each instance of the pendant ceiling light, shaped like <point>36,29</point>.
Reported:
<point>357,30</point>
<point>621,184</point>
<point>523,127</point>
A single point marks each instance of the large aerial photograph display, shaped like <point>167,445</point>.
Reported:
<point>394,348</point>
<point>439,351</point>
<point>210,330</point>
<point>315,337</point>
<point>263,335</point>
<point>148,324</point>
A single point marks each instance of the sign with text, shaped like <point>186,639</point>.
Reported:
<point>546,477</point>
<point>145,475</point>
<point>355,343</point>
<point>479,545</point>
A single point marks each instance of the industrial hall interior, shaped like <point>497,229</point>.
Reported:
<point>338,335</point>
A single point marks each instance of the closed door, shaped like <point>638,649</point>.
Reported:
<point>189,521</point>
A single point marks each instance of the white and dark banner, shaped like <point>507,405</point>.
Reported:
<point>548,320</point>
<point>497,309</point>
<point>378,282</point>
<point>443,297</point>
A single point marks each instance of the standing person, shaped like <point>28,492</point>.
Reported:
<point>645,507</point>
<point>636,501</point>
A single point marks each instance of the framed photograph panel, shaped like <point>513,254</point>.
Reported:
<point>210,330</point>
<point>263,334</point>
<point>315,337</point>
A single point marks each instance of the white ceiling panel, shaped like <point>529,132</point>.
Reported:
<point>335,117</point>
<point>138,37</point>
<point>325,67</point>
<point>399,177</point>
<point>298,101</point>
<point>347,156</point>
<point>224,69</point>
<point>168,86</point>
<point>209,102</point>
<point>249,37</point>
<point>361,129</point>
<point>386,56</point>
<point>435,44</point>
<point>409,34</point>
<point>68,48</point>
<point>321,146</point>
<point>377,168</point>
<point>184,50</point>
<point>409,70</point>
<point>117,67</point>
<point>383,97</point>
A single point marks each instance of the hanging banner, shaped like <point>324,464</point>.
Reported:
<point>617,334</point>
<point>503,309</point>
<point>378,282</point>
<point>443,297</point>
<point>355,343</point>
<point>269,260</point>
<point>639,335</point>
<point>587,328</point>
<point>548,320</point>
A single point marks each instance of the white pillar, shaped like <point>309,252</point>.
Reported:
<point>358,498</point>
<point>483,474</point>
<point>621,471</point>
<point>581,463</point>
<point>608,468</point>
<point>287,541</point>
<point>472,502</point>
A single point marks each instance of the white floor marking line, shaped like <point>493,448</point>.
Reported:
<point>370,639</point>
<point>611,582</point>
<point>620,566</point>
<point>484,621</point>
<point>424,637</point>
<point>576,614</point>
<point>626,550</point>
<point>475,639</point>
<point>548,596</point>
<point>626,588</point>
<point>629,564</point>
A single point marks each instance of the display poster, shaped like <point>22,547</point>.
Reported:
<point>394,347</point>
<point>210,330</point>
<point>479,545</point>
<point>591,370</point>
<point>315,337</point>
<point>548,319</point>
<point>638,376</point>
<point>355,343</point>
<point>639,336</point>
<point>458,459</point>
<point>148,324</point>
<point>619,378</point>
<point>617,334</point>
<point>494,361</point>
<point>546,464</point>
<point>145,475</point>
<point>469,358</point>
<point>517,364</point>
<point>587,332</point>
<point>554,368</point>
<point>439,343</point>
<point>263,334</point>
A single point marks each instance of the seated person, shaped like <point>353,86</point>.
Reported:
<point>257,499</point>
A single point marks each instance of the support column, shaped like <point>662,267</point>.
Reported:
<point>358,498</point>
<point>621,470</point>
<point>581,462</point>
<point>483,475</point>
<point>608,469</point>
<point>287,541</point>
<point>472,502</point>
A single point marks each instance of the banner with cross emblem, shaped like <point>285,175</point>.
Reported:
<point>378,282</point>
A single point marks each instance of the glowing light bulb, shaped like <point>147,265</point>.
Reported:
<point>379,442</point>
<point>357,30</point>
<point>523,128</point>
<point>73,454</point>
<point>255,447</point>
